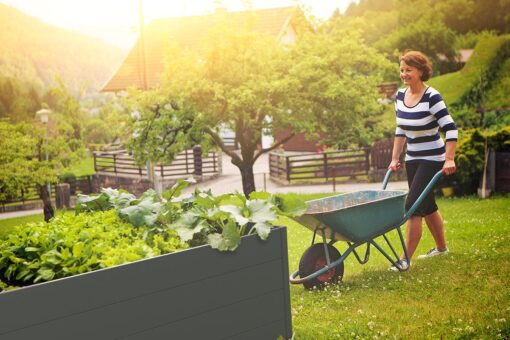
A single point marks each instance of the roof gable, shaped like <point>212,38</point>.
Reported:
<point>188,33</point>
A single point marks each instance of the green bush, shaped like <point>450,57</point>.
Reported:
<point>470,156</point>
<point>73,244</point>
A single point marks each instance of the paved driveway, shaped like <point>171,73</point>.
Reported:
<point>231,181</point>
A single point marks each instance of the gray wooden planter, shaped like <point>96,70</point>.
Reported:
<point>199,293</point>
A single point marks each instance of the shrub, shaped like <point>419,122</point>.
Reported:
<point>470,156</point>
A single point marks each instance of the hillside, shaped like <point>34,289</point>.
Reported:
<point>483,83</point>
<point>35,52</point>
<point>476,79</point>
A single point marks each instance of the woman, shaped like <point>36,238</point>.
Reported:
<point>420,113</point>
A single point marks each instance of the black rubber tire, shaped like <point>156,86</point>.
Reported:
<point>313,259</point>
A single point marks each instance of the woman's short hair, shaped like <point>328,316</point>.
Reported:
<point>420,61</point>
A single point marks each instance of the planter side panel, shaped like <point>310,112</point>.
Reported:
<point>197,293</point>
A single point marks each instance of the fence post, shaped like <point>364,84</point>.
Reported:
<point>89,180</point>
<point>197,160</point>
<point>325,165</point>
<point>186,157</point>
<point>162,170</point>
<point>95,162</point>
<point>287,168</point>
<point>367,160</point>
<point>115,163</point>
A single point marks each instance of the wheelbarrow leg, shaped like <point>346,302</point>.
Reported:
<point>391,247</point>
<point>393,262</point>
<point>367,253</point>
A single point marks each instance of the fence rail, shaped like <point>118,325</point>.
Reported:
<point>338,165</point>
<point>188,162</point>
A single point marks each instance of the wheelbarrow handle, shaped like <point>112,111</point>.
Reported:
<point>386,178</point>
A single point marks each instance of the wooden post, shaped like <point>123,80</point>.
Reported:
<point>186,157</point>
<point>115,163</point>
<point>325,165</point>
<point>197,160</point>
<point>162,170</point>
<point>367,160</point>
<point>287,168</point>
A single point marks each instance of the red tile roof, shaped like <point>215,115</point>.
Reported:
<point>188,33</point>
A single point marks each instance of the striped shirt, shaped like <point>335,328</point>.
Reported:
<point>420,125</point>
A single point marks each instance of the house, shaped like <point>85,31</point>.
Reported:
<point>145,63</point>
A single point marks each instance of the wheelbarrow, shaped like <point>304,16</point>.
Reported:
<point>357,218</point>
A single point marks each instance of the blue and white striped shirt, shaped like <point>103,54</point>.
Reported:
<point>420,125</point>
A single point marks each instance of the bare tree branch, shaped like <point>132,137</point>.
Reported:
<point>274,146</point>
<point>218,141</point>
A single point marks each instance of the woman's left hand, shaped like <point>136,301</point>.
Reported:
<point>449,167</point>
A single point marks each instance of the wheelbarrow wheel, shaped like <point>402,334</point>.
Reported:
<point>314,259</point>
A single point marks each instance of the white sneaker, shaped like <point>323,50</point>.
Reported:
<point>433,252</point>
<point>402,264</point>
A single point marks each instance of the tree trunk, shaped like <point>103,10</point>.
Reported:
<point>45,197</point>
<point>248,179</point>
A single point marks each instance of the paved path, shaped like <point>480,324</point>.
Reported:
<point>230,181</point>
<point>13,214</point>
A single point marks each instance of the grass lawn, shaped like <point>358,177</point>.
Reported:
<point>84,167</point>
<point>463,295</point>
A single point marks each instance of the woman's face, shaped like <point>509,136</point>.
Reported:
<point>409,74</point>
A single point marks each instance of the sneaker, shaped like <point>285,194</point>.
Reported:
<point>402,265</point>
<point>433,252</point>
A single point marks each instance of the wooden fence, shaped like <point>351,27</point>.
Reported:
<point>82,185</point>
<point>185,163</point>
<point>313,167</point>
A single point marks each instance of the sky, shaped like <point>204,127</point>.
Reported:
<point>115,21</point>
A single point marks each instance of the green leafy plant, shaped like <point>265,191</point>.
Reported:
<point>201,218</point>
<point>74,244</point>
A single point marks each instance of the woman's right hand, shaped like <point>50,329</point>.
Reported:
<point>394,165</point>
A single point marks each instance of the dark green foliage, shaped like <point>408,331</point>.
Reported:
<point>18,101</point>
<point>462,16</point>
<point>470,156</point>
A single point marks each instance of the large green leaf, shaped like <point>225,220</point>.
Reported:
<point>229,239</point>
<point>289,205</point>
<point>236,213</point>
<point>92,203</point>
<point>262,229</point>
<point>189,225</point>
<point>177,188</point>
<point>261,211</point>
<point>143,213</point>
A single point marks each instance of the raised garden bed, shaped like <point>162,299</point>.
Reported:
<point>199,293</point>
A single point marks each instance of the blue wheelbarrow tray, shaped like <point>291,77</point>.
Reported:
<point>355,217</point>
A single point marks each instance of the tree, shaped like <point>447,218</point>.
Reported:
<point>247,82</point>
<point>425,34</point>
<point>32,154</point>
<point>23,163</point>
<point>18,100</point>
